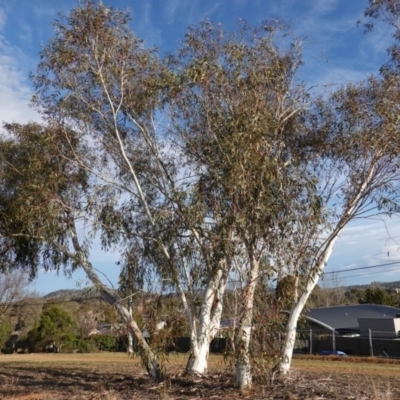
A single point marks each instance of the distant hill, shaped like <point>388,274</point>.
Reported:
<point>71,294</point>
<point>63,294</point>
<point>80,294</point>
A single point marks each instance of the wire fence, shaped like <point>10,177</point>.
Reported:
<point>371,343</point>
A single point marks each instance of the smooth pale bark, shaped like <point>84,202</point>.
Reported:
<point>198,360</point>
<point>291,326</point>
<point>207,326</point>
<point>243,377</point>
<point>348,214</point>
<point>148,357</point>
<point>130,338</point>
<point>203,330</point>
<point>243,334</point>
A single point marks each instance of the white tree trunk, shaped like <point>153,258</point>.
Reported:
<point>198,359</point>
<point>148,357</point>
<point>203,332</point>
<point>291,326</point>
<point>348,214</point>
<point>130,337</point>
<point>243,335</point>
<point>244,378</point>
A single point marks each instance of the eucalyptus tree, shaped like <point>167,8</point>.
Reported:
<point>95,76</point>
<point>135,275</point>
<point>359,175</point>
<point>238,115</point>
<point>358,133</point>
<point>44,195</point>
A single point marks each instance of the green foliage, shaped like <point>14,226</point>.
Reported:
<point>55,326</point>
<point>37,184</point>
<point>85,346</point>
<point>5,333</point>
<point>103,342</point>
<point>286,290</point>
<point>245,145</point>
<point>354,296</point>
<point>376,295</point>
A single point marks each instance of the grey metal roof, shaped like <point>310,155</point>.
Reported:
<point>346,317</point>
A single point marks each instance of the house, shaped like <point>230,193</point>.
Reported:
<point>380,327</point>
<point>365,329</point>
<point>114,330</point>
<point>345,319</point>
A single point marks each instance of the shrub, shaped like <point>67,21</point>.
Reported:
<point>5,333</point>
<point>103,342</point>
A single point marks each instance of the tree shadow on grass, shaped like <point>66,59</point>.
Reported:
<point>21,380</point>
<point>70,383</point>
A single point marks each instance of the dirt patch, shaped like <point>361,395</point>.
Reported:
<point>116,378</point>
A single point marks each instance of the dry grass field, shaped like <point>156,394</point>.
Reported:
<point>112,376</point>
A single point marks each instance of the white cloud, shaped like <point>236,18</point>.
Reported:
<point>212,9</point>
<point>143,25</point>
<point>378,40</point>
<point>2,19</point>
<point>193,13</point>
<point>365,244</point>
<point>15,91</point>
<point>240,3</point>
<point>170,9</point>
<point>320,8</point>
<point>329,77</point>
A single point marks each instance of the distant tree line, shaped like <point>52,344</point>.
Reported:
<point>33,323</point>
<point>64,324</point>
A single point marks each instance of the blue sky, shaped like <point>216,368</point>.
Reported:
<point>335,51</point>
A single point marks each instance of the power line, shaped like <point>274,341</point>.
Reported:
<point>361,268</point>
<point>356,276</point>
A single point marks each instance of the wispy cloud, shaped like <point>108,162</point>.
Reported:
<point>193,14</point>
<point>240,3</point>
<point>15,91</point>
<point>378,40</point>
<point>144,27</point>
<point>332,38</point>
<point>323,7</point>
<point>367,244</point>
<point>2,19</point>
<point>333,76</point>
<point>170,9</point>
<point>210,11</point>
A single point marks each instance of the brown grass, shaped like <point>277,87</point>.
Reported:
<point>113,376</point>
<point>352,359</point>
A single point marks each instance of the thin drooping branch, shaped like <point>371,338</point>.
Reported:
<point>149,359</point>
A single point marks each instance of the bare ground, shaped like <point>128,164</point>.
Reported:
<point>109,376</point>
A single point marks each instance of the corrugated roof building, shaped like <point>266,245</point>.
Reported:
<point>344,319</point>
